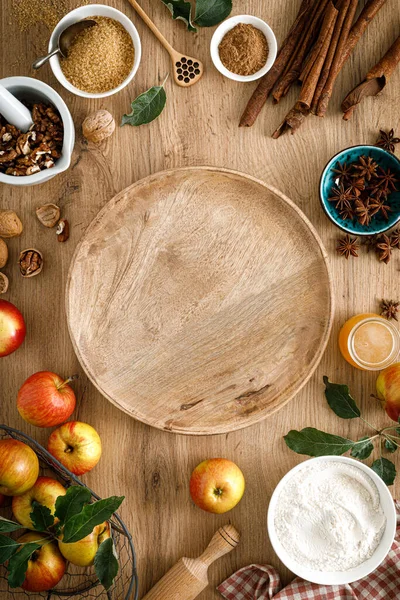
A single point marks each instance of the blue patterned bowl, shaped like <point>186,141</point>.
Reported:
<point>350,155</point>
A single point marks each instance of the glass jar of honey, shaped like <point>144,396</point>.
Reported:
<point>369,342</point>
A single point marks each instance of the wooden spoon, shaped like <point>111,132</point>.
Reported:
<point>187,70</point>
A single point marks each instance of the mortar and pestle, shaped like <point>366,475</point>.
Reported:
<point>14,91</point>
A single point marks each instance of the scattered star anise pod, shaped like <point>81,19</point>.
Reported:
<point>342,197</point>
<point>363,212</point>
<point>387,180</point>
<point>384,248</point>
<point>343,171</point>
<point>395,239</point>
<point>370,241</point>
<point>366,167</point>
<point>347,246</point>
<point>389,308</point>
<point>387,141</point>
<point>378,205</point>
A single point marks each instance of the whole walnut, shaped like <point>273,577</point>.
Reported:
<point>3,253</point>
<point>98,126</point>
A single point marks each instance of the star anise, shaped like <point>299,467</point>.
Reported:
<point>347,214</point>
<point>366,167</point>
<point>347,246</point>
<point>395,239</point>
<point>387,141</point>
<point>384,248</point>
<point>356,186</point>
<point>363,212</point>
<point>370,241</point>
<point>389,308</point>
<point>343,171</point>
<point>342,197</point>
<point>378,205</point>
<point>387,180</point>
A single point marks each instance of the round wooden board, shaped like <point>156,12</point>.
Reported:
<point>199,300</point>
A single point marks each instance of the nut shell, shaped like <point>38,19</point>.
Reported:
<point>48,214</point>
<point>98,126</point>
<point>10,224</point>
<point>3,283</point>
<point>30,262</point>
<point>3,253</point>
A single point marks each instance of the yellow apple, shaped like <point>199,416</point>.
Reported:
<point>45,491</point>
<point>82,553</point>
<point>217,485</point>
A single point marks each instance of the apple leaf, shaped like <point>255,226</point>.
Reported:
<point>41,517</point>
<point>106,563</point>
<point>363,448</point>
<point>180,9</point>
<point>313,442</point>
<point>340,400</point>
<point>8,547</point>
<point>18,564</point>
<point>80,525</point>
<point>211,12</point>
<point>72,503</point>
<point>146,107</point>
<point>6,525</point>
<point>391,445</point>
<point>385,469</point>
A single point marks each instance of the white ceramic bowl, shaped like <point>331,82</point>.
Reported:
<point>337,577</point>
<point>34,90</point>
<point>229,24</point>
<point>85,12</point>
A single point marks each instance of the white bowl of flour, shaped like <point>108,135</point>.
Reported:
<point>331,520</point>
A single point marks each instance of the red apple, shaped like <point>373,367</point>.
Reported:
<point>46,399</point>
<point>217,485</point>
<point>388,390</point>
<point>12,328</point>
<point>45,491</point>
<point>76,445</point>
<point>19,467</point>
<point>46,566</point>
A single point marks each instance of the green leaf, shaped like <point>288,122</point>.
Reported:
<point>211,12</point>
<point>363,448</point>
<point>106,563</point>
<point>180,9</point>
<point>8,547</point>
<point>313,442</point>
<point>80,525</point>
<point>6,525</point>
<point>385,469</point>
<point>390,445</point>
<point>72,503</point>
<point>41,517</point>
<point>146,107</point>
<point>340,400</point>
<point>18,564</point>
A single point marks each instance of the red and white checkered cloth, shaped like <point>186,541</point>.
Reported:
<point>259,582</point>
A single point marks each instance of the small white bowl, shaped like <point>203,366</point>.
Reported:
<point>85,12</point>
<point>230,24</point>
<point>34,90</point>
<point>337,577</point>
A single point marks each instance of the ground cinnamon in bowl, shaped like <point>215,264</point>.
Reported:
<point>243,49</point>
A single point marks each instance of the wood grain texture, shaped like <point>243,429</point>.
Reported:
<point>198,127</point>
<point>187,327</point>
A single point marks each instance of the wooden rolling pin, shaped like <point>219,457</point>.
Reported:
<point>189,576</point>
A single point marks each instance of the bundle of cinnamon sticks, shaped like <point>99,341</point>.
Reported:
<point>317,46</point>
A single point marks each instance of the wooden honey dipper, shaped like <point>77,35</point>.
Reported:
<point>189,576</point>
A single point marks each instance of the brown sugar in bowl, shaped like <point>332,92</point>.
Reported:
<point>83,77</point>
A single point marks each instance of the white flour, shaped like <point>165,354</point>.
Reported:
<point>328,517</point>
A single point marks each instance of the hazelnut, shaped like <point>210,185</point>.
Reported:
<point>3,283</point>
<point>3,253</point>
<point>30,262</point>
<point>10,224</point>
<point>48,214</point>
<point>98,126</point>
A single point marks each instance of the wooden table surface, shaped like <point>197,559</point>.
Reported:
<point>198,127</point>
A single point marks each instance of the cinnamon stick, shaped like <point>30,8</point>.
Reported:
<point>267,82</point>
<point>316,49</point>
<point>374,81</point>
<point>343,7</point>
<point>291,122</point>
<point>293,71</point>
<point>310,83</point>
<point>346,46</point>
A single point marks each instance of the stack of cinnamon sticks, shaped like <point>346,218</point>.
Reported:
<point>317,46</point>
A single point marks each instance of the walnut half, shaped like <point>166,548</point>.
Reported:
<point>30,262</point>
